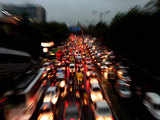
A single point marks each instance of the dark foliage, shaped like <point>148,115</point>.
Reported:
<point>134,35</point>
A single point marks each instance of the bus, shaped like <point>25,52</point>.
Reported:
<point>24,102</point>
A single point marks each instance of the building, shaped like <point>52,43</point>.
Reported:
<point>34,13</point>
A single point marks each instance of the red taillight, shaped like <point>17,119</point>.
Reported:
<point>87,84</point>
<point>67,72</point>
<point>3,100</point>
<point>52,84</point>
<point>72,119</point>
<point>66,104</point>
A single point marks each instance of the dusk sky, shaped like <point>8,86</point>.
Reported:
<point>84,11</point>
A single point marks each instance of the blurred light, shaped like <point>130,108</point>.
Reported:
<point>54,99</point>
<point>47,44</point>
<point>16,18</point>
<point>45,50</point>
<point>98,64</point>
<point>48,68</point>
<point>72,119</point>
<point>44,75</point>
<point>99,118</point>
<point>70,89</point>
<point>88,73</point>
<point>93,97</point>
<point>94,81</point>
<point>46,116</point>
<point>63,68</point>
<point>120,73</point>
<point>106,75</point>
<point>51,53</point>
<point>77,94</point>
<point>85,101</point>
<point>104,60</point>
<point>96,96</point>
<point>108,118</point>
<point>47,99</point>
<point>62,84</point>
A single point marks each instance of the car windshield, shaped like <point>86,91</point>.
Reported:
<point>156,106</point>
<point>51,92</point>
<point>103,110</point>
<point>124,88</point>
<point>73,114</point>
<point>71,66</point>
<point>96,89</point>
<point>125,74</point>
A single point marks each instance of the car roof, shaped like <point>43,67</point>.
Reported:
<point>122,82</point>
<point>154,97</point>
<point>72,64</point>
<point>104,66</point>
<point>47,63</point>
<point>102,104</point>
<point>52,88</point>
<point>95,85</point>
<point>72,107</point>
<point>107,62</point>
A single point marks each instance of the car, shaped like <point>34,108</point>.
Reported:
<point>89,64</point>
<point>62,84</point>
<point>107,63</point>
<point>80,66</point>
<point>96,93</point>
<point>57,63</point>
<point>152,103</point>
<point>102,111</point>
<point>79,58</point>
<point>123,89</point>
<point>72,67</point>
<point>46,64</point>
<point>122,67</point>
<point>104,56</point>
<point>104,71</point>
<point>52,94</point>
<point>46,112</point>
<point>93,81</point>
<point>85,99</point>
<point>88,61</point>
<point>71,111</point>
<point>84,55</point>
<point>64,92</point>
<point>99,62</point>
<point>62,68</point>
<point>60,74</point>
<point>89,71</point>
<point>103,68</point>
<point>123,74</point>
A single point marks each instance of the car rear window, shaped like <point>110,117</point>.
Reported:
<point>96,89</point>
<point>103,110</point>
